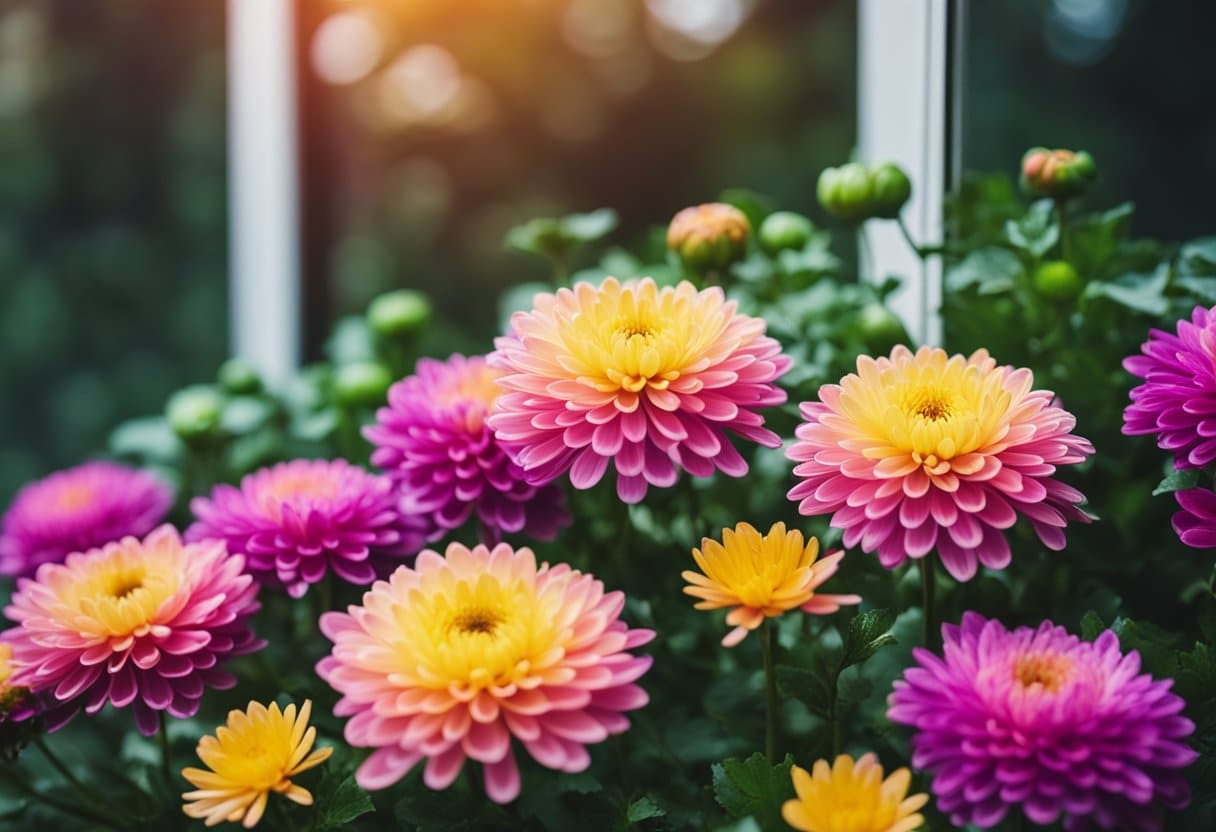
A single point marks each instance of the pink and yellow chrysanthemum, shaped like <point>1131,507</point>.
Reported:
<point>458,655</point>
<point>255,753</point>
<point>647,379</point>
<point>146,624</point>
<point>761,576</point>
<point>923,450</point>
<point>850,796</point>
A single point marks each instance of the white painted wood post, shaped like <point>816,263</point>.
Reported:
<point>263,185</point>
<point>904,70</point>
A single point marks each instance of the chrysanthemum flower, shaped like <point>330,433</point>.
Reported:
<point>454,657</point>
<point>1177,401</point>
<point>18,709</point>
<point>433,441</point>
<point>762,576</point>
<point>1038,719</point>
<point>297,520</point>
<point>145,624</point>
<point>852,796</point>
<point>648,379</point>
<point>257,752</point>
<point>1195,524</point>
<point>923,451</point>
<point>79,509</point>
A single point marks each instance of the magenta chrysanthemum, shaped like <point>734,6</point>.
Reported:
<point>79,509</point>
<point>433,441</point>
<point>1195,524</point>
<point>458,655</point>
<point>627,373</point>
<point>297,520</point>
<point>1177,401</point>
<point>145,624</point>
<point>924,451</point>
<point>1038,719</point>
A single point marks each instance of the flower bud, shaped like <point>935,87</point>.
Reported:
<point>880,328</point>
<point>1059,174</point>
<point>709,236</point>
<point>785,230</point>
<point>1057,280</point>
<point>194,412</point>
<point>846,192</point>
<point>361,383</point>
<point>238,377</point>
<point>399,314</point>
<point>890,189</point>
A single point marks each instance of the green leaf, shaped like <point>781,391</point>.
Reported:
<point>352,340</point>
<point>1177,481</point>
<point>1196,677</point>
<point>1036,232</point>
<point>1139,292</point>
<point>558,237</point>
<point>589,227</point>
<point>991,269</point>
<point>644,809</point>
<point>1095,238</point>
<point>1198,257</point>
<point>1202,288</point>
<point>1092,626</point>
<point>807,686</point>
<point>753,787</point>
<point>868,633</point>
<point>245,414</point>
<point>147,439</point>
<point>853,689</point>
<point>339,802</point>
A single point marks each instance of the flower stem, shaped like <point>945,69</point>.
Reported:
<point>926,605</point>
<point>62,805</point>
<point>166,768</point>
<point>60,767</point>
<point>768,646</point>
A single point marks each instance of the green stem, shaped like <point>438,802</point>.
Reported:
<point>63,806</point>
<point>60,767</point>
<point>768,646</point>
<point>926,604</point>
<point>868,249</point>
<point>833,715</point>
<point>165,760</point>
<point>912,244</point>
<point>1062,222</point>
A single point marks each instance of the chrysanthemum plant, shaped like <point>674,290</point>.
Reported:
<point>441,581</point>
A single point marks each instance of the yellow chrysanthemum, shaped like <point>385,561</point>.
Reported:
<point>256,753</point>
<point>761,577</point>
<point>852,796</point>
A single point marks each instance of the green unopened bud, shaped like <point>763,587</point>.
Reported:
<point>361,384</point>
<point>399,314</point>
<point>846,192</point>
<point>880,328</point>
<point>709,236</point>
<point>1057,280</point>
<point>785,230</point>
<point>238,377</point>
<point>1059,174</point>
<point>194,412</point>
<point>890,189</point>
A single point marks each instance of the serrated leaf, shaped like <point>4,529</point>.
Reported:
<point>147,439</point>
<point>806,686</point>
<point>1036,232</point>
<point>852,689</point>
<point>1140,292</point>
<point>589,227</point>
<point>1092,626</point>
<point>339,802</point>
<point>644,809</point>
<point>1198,257</point>
<point>753,787</point>
<point>868,633</point>
<point>1094,239</point>
<point>1196,678</point>
<point>1201,288</point>
<point>1177,481</point>
<point>990,269</point>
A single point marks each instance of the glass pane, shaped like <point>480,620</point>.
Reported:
<point>112,219</point>
<point>436,127</point>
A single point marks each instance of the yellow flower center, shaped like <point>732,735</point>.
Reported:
<point>295,484</point>
<point>474,633</point>
<point>1042,671</point>
<point>118,593</point>
<point>928,406</point>
<point>628,337</point>
<point>6,662</point>
<point>475,384</point>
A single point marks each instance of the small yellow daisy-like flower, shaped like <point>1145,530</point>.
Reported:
<point>761,577</point>
<point>852,796</point>
<point>256,753</point>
